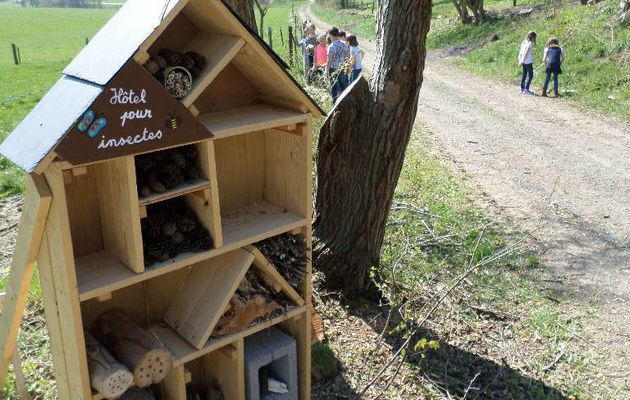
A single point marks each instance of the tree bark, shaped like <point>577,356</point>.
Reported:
<point>137,349</point>
<point>245,10</point>
<point>362,147</point>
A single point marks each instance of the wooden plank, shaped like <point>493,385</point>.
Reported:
<point>206,294</point>
<point>249,119</point>
<point>120,215</point>
<point>100,273</point>
<point>230,89</point>
<point>30,234</point>
<point>61,299</point>
<point>228,371</point>
<point>241,165</point>
<point>173,387</point>
<point>84,214</point>
<point>219,50</point>
<point>283,103</point>
<point>257,222</point>
<point>300,329</point>
<point>184,352</point>
<point>271,275</point>
<point>208,166</point>
<point>179,190</point>
<point>20,381</point>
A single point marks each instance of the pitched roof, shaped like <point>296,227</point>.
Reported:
<point>86,76</point>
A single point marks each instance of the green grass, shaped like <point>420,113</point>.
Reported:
<point>434,233</point>
<point>597,68</point>
<point>48,39</point>
<point>359,21</point>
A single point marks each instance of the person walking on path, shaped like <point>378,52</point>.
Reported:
<point>553,59</point>
<point>356,58</point>
<point>337,55</point>
<point>526,60</point>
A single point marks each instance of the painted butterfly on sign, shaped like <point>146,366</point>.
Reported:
<point>90,124</point>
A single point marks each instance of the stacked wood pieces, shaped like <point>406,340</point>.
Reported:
<point>253,302</point>
<point>107,376</point>
<point>145,356</point>
<point>163,170</point>
<point>172,228</point>
<point>168,59</point>
<point>288,253</point>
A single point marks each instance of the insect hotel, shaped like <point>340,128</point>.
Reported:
<point>168,209</point>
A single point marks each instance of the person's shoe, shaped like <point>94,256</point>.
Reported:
<point>522,91</point>
<point>527,91</point>
<point>544,93</point>
<point>555,92</point>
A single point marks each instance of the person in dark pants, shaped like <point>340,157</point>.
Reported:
<point>553,59</point>
<point>337,54</point>
<point>526,60</point>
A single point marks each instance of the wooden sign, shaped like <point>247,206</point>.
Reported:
<point>134,114</point>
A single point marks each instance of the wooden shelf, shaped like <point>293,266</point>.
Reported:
<point>183,352</point>
<point>100,273</point>
<point>254,118</point>
<point>180,190</point>
<point>219,50</point>
<point>258,221</point>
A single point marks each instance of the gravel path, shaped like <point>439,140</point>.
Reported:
<point>545,167</point>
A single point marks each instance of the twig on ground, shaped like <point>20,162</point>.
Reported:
<point>558,357</point>
<point>470,386</point>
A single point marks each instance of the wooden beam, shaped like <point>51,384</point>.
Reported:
<point>29,239</point>
<point>20,381</point>
<point>272,277</point>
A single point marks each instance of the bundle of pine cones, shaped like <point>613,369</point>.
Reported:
<point>193,62</point>
<point>288,254</point>
<point>172,228</point>
<point>163,170</point>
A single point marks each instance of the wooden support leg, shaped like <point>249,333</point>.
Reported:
<point>29,239</point>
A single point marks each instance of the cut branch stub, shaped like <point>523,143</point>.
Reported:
<point>107,376</point>
<point>134,347</point>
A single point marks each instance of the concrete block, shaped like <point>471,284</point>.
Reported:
<point>270,353</point>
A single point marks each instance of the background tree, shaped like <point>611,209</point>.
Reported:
<point>474,6</point>
<point>245,9</point>
<point>263,7</point>
<point>362,147</point>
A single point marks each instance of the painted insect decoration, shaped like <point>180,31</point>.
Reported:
<point>90,124</point>
<point>173,122</point>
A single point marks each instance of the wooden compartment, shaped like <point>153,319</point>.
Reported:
<point>183,35</point>
<point>222,370</point>
<point>263,180</point>
<point>103,214</point>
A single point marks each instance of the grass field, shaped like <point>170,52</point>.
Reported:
<point>48,39</point>
<point>597,69</point>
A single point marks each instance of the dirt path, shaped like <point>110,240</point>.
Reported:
<point>558,173</point>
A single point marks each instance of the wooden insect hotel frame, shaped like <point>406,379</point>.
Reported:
<point>168,210</point>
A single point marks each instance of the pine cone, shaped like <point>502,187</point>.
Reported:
<point>200,61</point>
<point>178,237</point>
<point>172,57</point>
<point>186,224</point>
<point>189,151</point>
<point>169,228</point>
<point>195,71</point>
<point>159,156</point>
<point>191,172</point>
<point>172,181</point>
<point>144,163</point>
<point>177,158</point>
<point>157,186</point>
<point>152,66</point>
<point>161,62</point>
<point>187,62</point>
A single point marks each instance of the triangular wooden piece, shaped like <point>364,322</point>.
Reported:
<point>206,294</point>
<point>137,115</point>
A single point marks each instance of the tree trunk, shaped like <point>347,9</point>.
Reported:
<point>137,349</point>
<point>245,10</point>
<point>362,147</point>
<point>462,11</point>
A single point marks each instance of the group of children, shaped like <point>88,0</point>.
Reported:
<point>553,57</point>
<point>333,56</point>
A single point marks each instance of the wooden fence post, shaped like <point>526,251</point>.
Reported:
<point>16,59</point>
<point>281,37</point>
<point>270,33</point>
<point>291,42</point>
